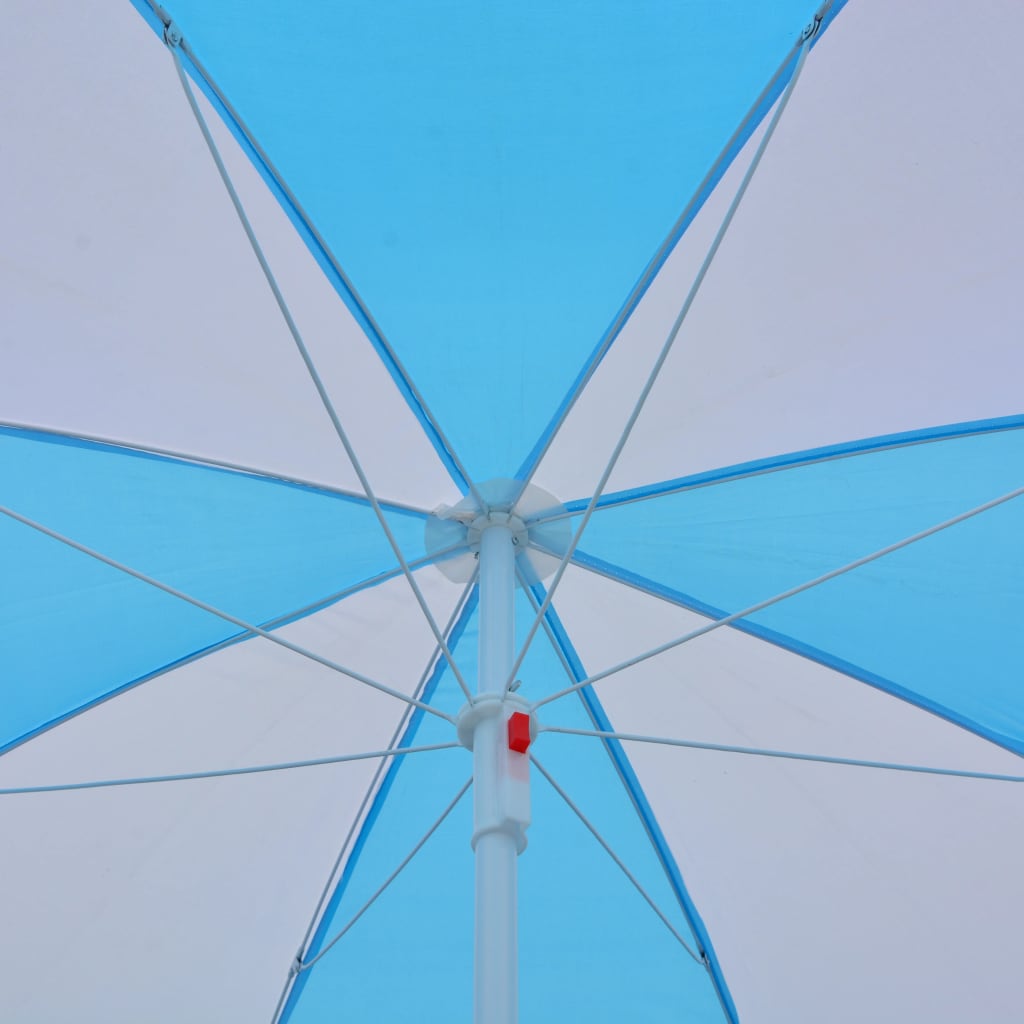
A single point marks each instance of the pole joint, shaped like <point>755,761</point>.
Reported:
<point>503,803</point>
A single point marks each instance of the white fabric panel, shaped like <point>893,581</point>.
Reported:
<point>838,894</point>
<point>869,282</point>
<point>124,272</point>
<point>187,900</point>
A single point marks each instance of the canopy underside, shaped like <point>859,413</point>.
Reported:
<point>472,215</point>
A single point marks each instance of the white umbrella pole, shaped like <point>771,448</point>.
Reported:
<point>500,787</point>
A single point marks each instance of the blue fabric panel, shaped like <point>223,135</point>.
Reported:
<point>937,622</point>
<point>493,177</point>
<point>75,629</point>
<point>603,956</point>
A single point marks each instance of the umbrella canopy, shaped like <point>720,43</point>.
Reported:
<point>710,309</point>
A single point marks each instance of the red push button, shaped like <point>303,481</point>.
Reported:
<point>519,732</point>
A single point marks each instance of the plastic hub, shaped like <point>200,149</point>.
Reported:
<point>536,519</point>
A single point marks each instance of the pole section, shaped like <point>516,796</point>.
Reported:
<point>497,837</point>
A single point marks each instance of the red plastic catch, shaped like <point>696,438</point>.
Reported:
<point>519,732</point>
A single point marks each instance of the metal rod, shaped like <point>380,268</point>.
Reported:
<point>305,966</point>
<point>219,773</point>
<point>592,829</point>
<point>670,871</point>
<point>248,627</point>
<point>726,748</point>
<point>274,623</point>
<point>792,592</point>
<point>370,326</point>
<point>205,460</point>
<point>314,374</point>
<point>333,878</point>
<point>764,467</point>
<point>714,173</point>
<point>662,357</point>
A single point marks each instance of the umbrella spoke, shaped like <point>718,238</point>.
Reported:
<point>713,175</point>
<point>779,464</point>
<point>726,748</point>
<point>205,460</point>
<point>699,958</point>
<point>359,819</point>
<point>172,45</point>
<point>792,592</point>
<point>279,620</point>
<point>670,868</point>
<point>457,470</point>
<point>218,773</point>
<point>247,627</point>
<point>663,355</point>
<point>299,966</point>
<point>548,632</point>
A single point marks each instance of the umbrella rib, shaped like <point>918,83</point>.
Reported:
<point>663,354</point>
<point>218,773</point>
<point>687,910</point>
<point>299,966</point>
<point>371,790</point>
<point>699,958</point>
<point>370,326</point>
<point>310,366</point>
<point>698,198</point>
<point>548,632</point>
<point>248,627</point>
<point>726,748</point>
<point>789,461</point>
<point>274,623</point>
<point>792,592</point>
<point>204,460</point>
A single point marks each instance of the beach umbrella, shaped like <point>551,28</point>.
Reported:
<point>511,512</point>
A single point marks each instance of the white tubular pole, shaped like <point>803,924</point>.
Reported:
<point>496,839</point>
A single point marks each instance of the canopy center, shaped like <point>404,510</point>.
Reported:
<point>537,520</point>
